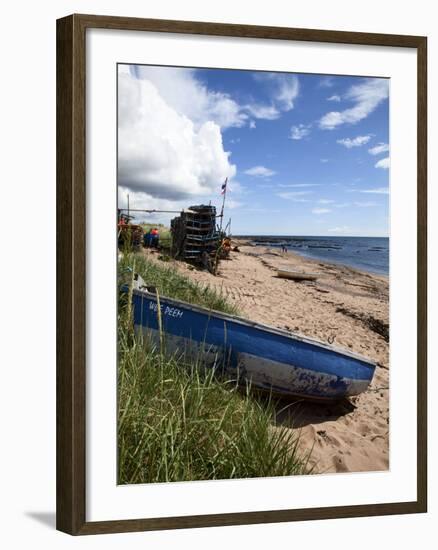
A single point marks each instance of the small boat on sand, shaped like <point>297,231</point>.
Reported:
<point>269,358</point>
<point>297,275</point>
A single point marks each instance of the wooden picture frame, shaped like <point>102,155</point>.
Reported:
<point>71,273</point>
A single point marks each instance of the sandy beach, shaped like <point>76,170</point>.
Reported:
<point>344,306</point>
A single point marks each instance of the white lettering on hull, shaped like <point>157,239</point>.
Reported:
<point>167,310</point>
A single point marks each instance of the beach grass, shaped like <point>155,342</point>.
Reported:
<point>180,421</point>
<point>172,284</point>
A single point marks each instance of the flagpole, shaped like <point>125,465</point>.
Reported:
<point>223,203</point>
<point>220,228</point>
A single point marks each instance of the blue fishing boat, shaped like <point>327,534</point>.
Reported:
<point>268,358</point>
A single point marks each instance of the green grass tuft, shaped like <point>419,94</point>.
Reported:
<point>179,421</point>
<point>172,284</point>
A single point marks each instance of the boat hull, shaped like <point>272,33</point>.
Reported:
<point>269,359</point>
<point>296,275</point>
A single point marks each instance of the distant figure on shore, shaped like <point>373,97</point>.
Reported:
<point>283,248</point>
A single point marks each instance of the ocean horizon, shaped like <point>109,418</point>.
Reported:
<point>370,254</point>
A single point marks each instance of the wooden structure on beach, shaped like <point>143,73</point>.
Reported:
<point>128,234</point>
<point>195,236</point>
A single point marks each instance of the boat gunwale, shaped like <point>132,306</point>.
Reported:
<point>311,275</point>
<point>268,328</point>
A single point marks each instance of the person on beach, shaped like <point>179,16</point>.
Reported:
<point>152,239</point>
<point>155,237</point>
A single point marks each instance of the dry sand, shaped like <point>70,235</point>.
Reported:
<point>345,306</point>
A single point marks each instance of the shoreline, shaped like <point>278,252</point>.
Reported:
<point>268,242</point>
<point>293,254</point>
<point>345,307</point>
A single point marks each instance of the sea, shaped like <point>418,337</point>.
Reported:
<point>369,254</point>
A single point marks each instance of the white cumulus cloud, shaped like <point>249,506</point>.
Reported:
<point>366,97</point>
<point>164,150</point>
<point>284,88</point>
<point>188,96</point>
<point>267,112</point>
<point>334,97</point>
<point>300,131</point>
<point>260,172</point>
<point>355,142</point>
<point>287,89</point>
<point>383,163</point>
<point>378,149</point>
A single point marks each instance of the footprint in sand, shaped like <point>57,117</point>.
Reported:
<point>339,464</point>
<point>363,429</point>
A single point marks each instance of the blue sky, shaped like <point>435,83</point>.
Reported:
<point>304,154</point>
